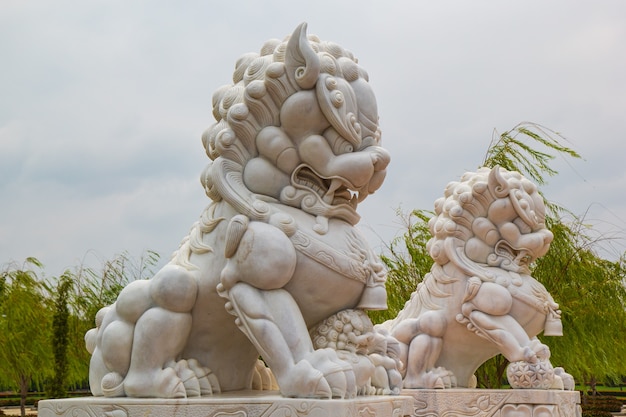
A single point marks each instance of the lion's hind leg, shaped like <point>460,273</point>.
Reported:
<point>141,335</point>
<point>153,350</point>
<point>160,335</point>
<point>423,340</point>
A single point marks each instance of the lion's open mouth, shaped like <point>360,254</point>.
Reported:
<point>522,258</point>
<point>332,191</point>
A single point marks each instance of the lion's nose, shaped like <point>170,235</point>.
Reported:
<point>380,158</point>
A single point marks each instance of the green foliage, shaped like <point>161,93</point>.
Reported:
<point>597,403</point>
<point>43,323</point>
<point>596,413</point>
<point>407,263</point>
<point>492,374</point>
<point>61,339</point>
<point>510,151</point>
<point>592,298</point>
<point>600,406</point>
<point>24,328</point>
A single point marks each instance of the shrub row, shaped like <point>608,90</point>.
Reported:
<point>596,413</point>
<point>600,406</point>
<point>15,402</point>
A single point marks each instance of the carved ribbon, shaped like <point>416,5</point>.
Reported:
<point>330,257</point>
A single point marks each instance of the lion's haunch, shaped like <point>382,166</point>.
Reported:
<point>172,288</point>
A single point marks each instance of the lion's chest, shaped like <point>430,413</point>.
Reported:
<point>332,269</point>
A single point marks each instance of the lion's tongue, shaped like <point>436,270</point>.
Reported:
<point>330,194</point>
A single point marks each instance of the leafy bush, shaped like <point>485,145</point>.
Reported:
<point>12,402</point>
<point>600,406</point>
<point>596,413</point>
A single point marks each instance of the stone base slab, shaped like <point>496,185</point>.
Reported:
<point>236,404</point>
<point>416,403</point>
<point>494,403</point>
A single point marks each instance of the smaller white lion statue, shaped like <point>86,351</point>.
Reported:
<point>479,298</point>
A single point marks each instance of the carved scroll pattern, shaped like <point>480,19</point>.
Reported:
<point>492,404</point>
<point>391,407</point>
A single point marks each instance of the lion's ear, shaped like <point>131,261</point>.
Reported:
<point>301,61</point>
<point>498,185</point>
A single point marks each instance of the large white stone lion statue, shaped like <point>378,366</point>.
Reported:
<point>295,148</point>
<point>478,299</point>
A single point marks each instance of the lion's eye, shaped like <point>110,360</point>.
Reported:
<point>522,226</point>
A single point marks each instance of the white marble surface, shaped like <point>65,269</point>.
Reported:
<point>417,403</point>
<point>241,404</point>
<point>294,149</point>
<point>479,298</point>
<point>494,403</point>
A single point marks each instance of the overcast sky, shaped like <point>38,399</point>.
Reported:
<point>102,104</point>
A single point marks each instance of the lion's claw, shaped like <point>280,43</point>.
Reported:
<point>338,373</point>
<point>320,374</point>
<point>161,384</point>
<point>305,381</point>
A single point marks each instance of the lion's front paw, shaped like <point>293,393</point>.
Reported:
<point>338,373</point>
<point>162,383</point>
<point>533,353</point>
<point>542,352</point>
<point>320,375</point>
<point>304,381</point>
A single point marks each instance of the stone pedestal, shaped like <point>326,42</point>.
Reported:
<point>415,403</point>
<point>237,404</point>
<point>494,403</point>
